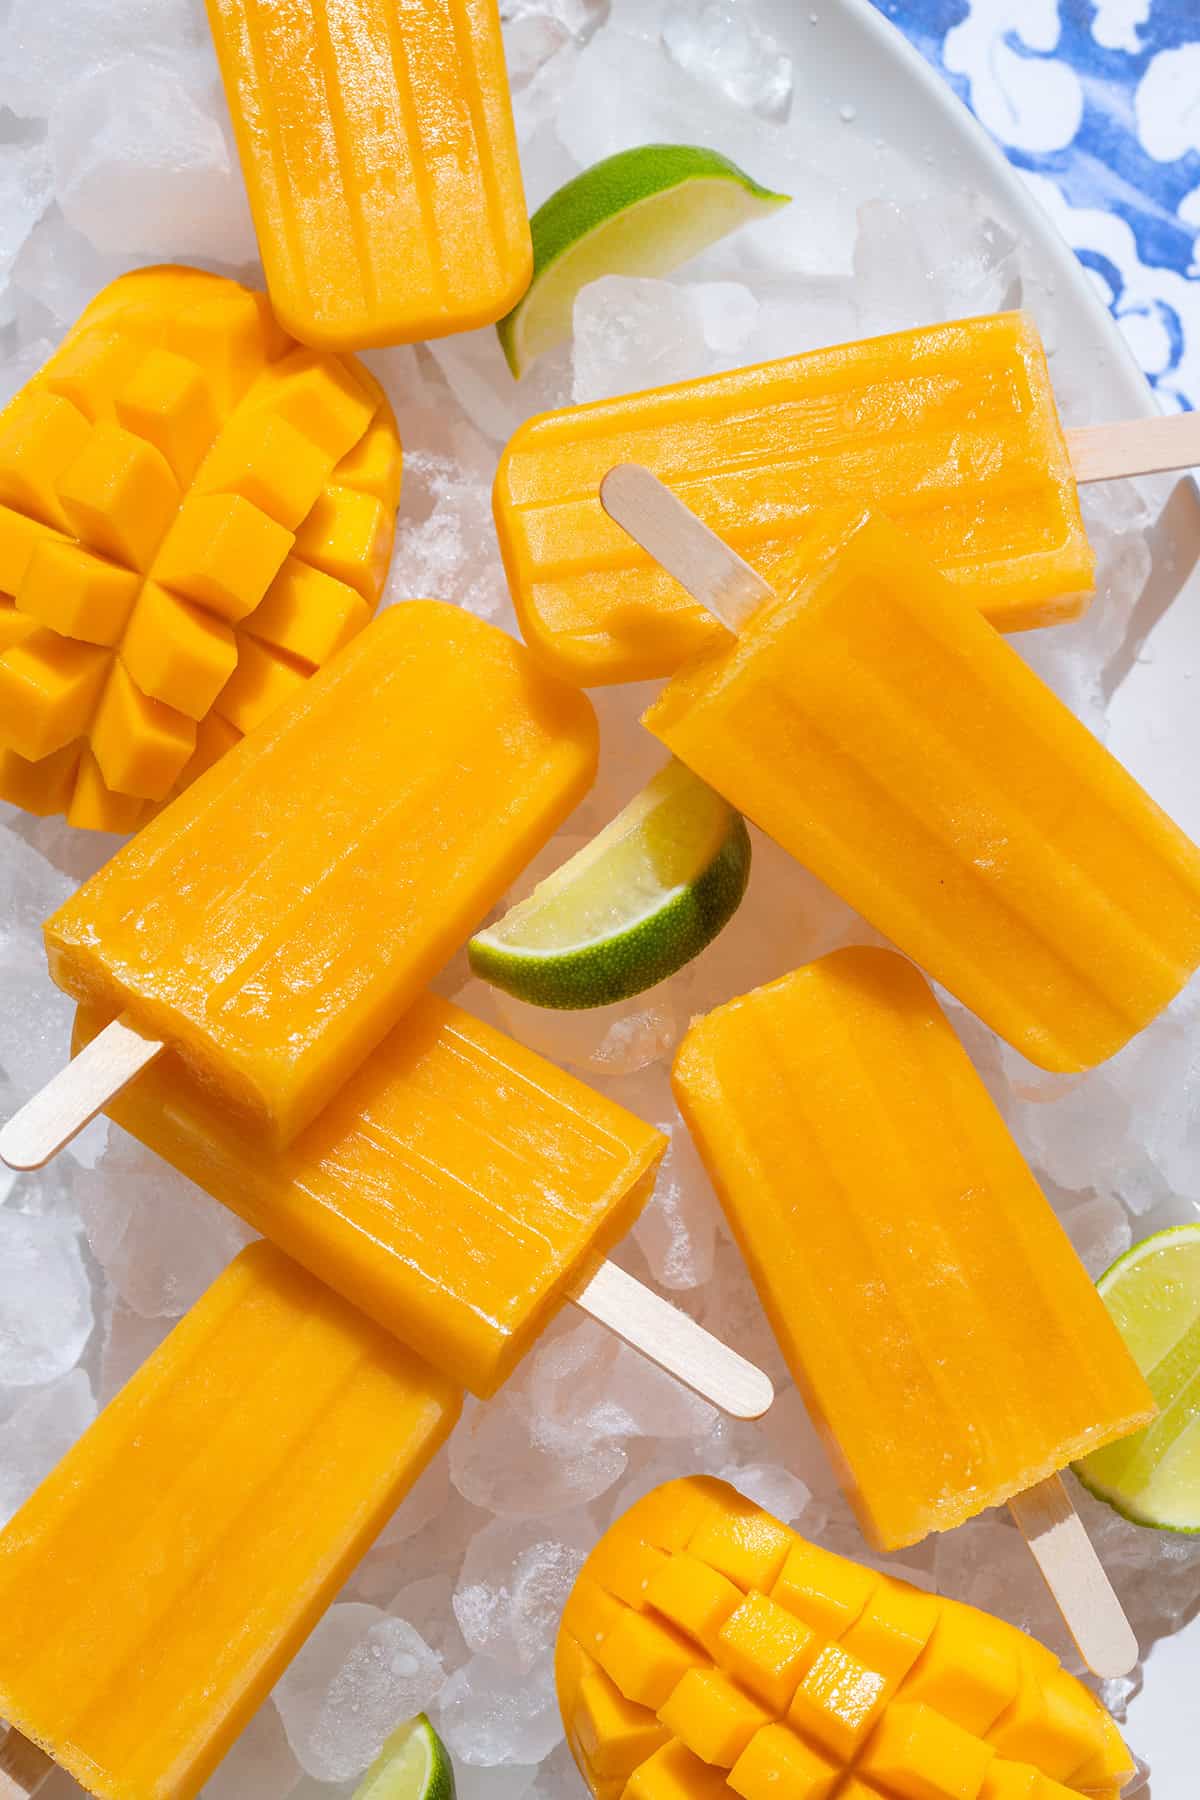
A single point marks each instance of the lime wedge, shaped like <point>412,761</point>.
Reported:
<point>1153,1293</point>
<point>643,898</point>
<point>414,1764</point>
<point>641,212</point>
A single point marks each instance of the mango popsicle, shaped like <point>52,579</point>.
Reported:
<point>275,921</point>
<point>951,430</point>
<point>161,1578</point>
<point>454,1189</point>
<point>946,1339</point>
<point>380,158</point>
<point>707,1650</point>
<point>889,739</point>
<point>195,513</point>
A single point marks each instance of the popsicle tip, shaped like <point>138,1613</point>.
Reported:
<point>23,1148</point>
<point>758,1393</point>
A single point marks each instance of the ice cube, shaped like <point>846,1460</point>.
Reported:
<point>536,30</point>
<point>361,1673</point>
<point>60,270</point>
<point>677,1230</point>
<point>39,1427</point>
<point>481,381</point>
<point>26,185</point>
<point>445,542</point>
<point>45,1298</point>
<point>633,332</point>
<point>142,164</point>
<point>514,1583</point>
<point>388,1563</point>
<point>428,1606</point>
<point>770,1486</point>
<point>502,1461</point>
<point>723,44</point>
<point>917,264</point>
<point>490,1715</point>
<point>129,1339</point>
<point>35,1019</point>
<point>45,49</point>
<point>160,1239</point>
<point>1100,1232</point>
<point>619,1039</point>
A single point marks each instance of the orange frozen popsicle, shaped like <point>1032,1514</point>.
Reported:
<point>706,1651</point>
<point>896,745</point>
<point>380,158</point>
<point>455,1188</point>
<point>158,1582</point>
<point>951,431</point>
<point>946,1339</point>
<point>277,919</point>
<point>195,513</point>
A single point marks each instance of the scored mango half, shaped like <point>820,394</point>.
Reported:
<point>195,513</point>
<point>706,1651</point>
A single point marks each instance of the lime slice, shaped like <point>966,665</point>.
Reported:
<point>414,1764</point>
<point>1153,1293</point>
<point>643,898</point>
<point>641,212</point>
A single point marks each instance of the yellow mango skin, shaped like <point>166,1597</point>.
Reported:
<point>277,919</point>
<point>453,1189</point>
<point>189,1542</point>
<point>896,745</point>
<point>157,477</point>
<point>700,1721</point>
<point>380,158</point>
<point>946,1338</point>
<point>951,430</point>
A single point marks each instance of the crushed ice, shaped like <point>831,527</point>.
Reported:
<point>115,148</point>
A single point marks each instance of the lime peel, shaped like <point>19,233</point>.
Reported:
<point>414,1764</point>
<point>640,212</point>
<point>1153,1293</point>
<point>642,899</point>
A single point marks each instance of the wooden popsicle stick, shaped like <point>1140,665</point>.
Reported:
<point>712,572</point>
<point>665,1335</point>
<point>700,561</point>
<point>23,1767</point>
<point>1135,447</point>
<point>1073,1572</point>
<point>635,1313</point>
<point>75,1095</point>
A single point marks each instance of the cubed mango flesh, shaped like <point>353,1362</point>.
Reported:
<point>195,514</point>
<point>707,1651</point>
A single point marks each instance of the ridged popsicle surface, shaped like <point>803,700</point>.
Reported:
<point>377,143</point>
<point>951,430</point>
<point>946,1339</point>
<point>156,1584</point>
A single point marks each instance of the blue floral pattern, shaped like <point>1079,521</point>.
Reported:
<point>1097,103</point>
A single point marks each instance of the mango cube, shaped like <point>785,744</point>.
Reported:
<point>839,1684</point>
<point>155,478</point>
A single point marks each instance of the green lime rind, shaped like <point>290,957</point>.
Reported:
<point>641,212</point>
<point>414,1764</point>
<point>619,182</point>
<point>1152,1478</point>
<point>635,959</point>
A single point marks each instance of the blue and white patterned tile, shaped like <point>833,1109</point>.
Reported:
<point>1097,103</point>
